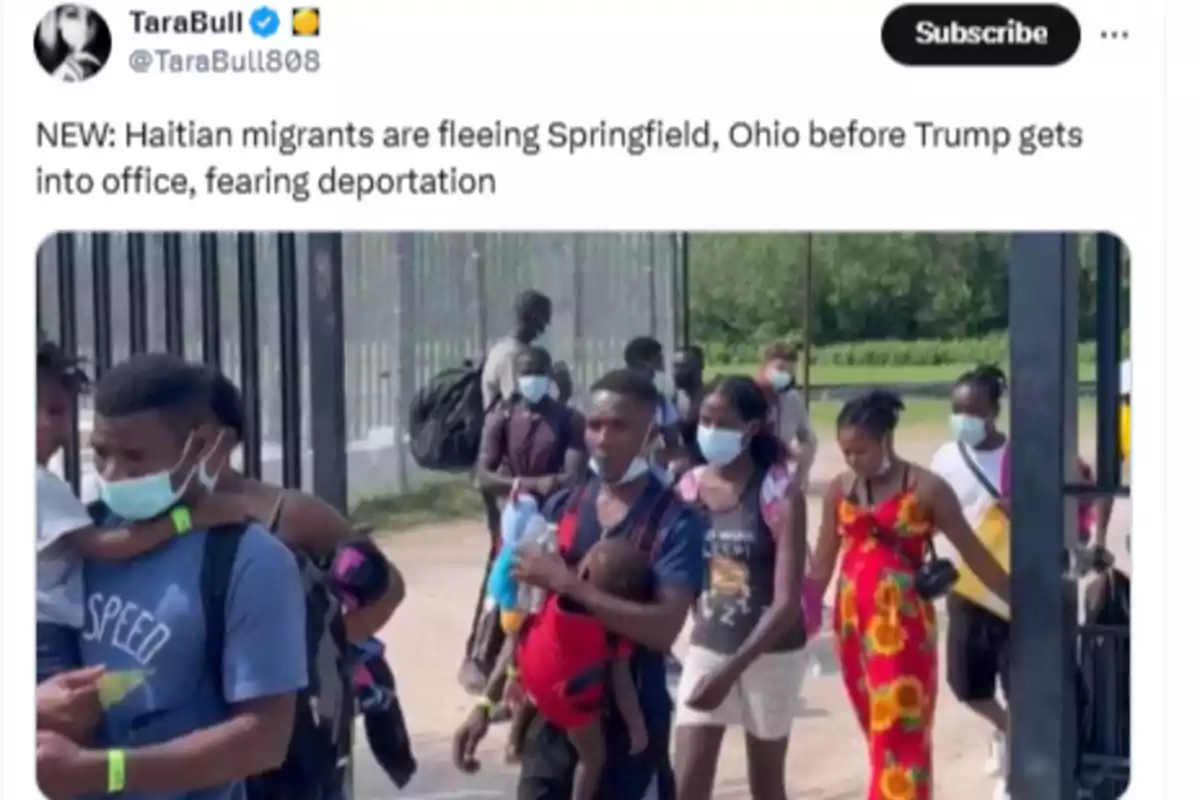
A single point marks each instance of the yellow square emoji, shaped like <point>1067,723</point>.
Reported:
<point>306,22</point>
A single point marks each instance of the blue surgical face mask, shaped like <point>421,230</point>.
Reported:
<point>780,379</point>
<point>968,429</point>
<point>146,497</point>
<point>719,446</point>
<point>533,387</point>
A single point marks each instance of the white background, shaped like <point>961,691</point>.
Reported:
<point>525,62</point>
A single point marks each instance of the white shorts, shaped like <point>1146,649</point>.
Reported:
<point>764,701</point>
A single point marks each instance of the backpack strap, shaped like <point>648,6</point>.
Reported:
<point>688,485</point>
<point>646,534</point>
<point>216,573</point>
<point>977,472</point>
<point>568,522</point>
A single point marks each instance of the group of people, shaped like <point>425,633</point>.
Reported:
<point>192,623</point>
<point>710,483</point>
<point>666,504</point>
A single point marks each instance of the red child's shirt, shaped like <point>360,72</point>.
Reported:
<point>563,659</point>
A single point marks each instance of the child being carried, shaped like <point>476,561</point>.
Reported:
<point>566,662</point>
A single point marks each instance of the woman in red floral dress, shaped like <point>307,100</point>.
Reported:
<point>880,514</point>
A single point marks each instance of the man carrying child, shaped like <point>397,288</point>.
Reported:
<point>622,499</point>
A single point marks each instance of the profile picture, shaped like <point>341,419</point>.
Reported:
<point>72,42</point>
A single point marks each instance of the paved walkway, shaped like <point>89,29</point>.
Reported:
<point>441,564</point>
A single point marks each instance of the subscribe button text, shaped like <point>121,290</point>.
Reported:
<point>984,35</point>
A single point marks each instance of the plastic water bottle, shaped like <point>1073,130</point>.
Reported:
<point>543,535</point>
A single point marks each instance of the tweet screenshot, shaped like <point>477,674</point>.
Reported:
<point>588,401</point>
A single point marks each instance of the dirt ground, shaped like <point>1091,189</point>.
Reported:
<point>827,759</point>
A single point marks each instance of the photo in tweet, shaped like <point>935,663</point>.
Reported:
<point>826,418</point>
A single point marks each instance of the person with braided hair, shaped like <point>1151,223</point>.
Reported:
<point>880,516</point>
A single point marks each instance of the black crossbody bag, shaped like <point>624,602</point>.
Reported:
<point>973,466</point>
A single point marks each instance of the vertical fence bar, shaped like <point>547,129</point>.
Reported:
<point>647,265</point>
<point>1044,334</point>
<point>210,300</point>
<point>102,322</point>
<point>405,362</point>
<point>289,362</point>
<point>68,340</point>
<point>808,317</point>
<point>248,353</point>
<point>578,344</point>
<point>327,389</point>
<point>1108,358</point>
<point>327,369</point>
<point>678,311</point>
<point>42,261</point>
<point>685,288</point>
<point>172,251</point>
<point>478,249</point>
<point>139,322</point>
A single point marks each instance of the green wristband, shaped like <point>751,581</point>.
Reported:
<point>116,771</point>
<point>181,518</point>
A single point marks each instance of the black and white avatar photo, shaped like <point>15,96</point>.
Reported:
<point>72,42</point>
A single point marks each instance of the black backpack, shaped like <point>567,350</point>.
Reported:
<point>321,745</point>
<point>1103,687</point>
<point>445,420</point>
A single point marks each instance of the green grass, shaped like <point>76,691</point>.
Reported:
<point>435,501</point>
<point>836,374</point>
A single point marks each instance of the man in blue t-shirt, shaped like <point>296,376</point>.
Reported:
<point>618,499</point>
<point>172,728</point>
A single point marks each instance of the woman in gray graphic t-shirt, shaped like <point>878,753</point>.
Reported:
<point>744,665</point>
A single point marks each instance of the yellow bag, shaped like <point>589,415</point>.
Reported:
<point>994,532</point>
<point>1125,431</point>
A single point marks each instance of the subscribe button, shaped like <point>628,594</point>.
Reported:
<point>981,35</point>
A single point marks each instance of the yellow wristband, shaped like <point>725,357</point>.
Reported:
<point>182,519</point>
<point>485,703</point>
<point>116,771</point>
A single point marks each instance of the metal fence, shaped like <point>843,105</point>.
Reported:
<point>413,305</point>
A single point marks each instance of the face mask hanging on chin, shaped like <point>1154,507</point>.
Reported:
<point>149,496</point>
<point>638,467</point>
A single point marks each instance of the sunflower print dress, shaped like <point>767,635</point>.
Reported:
<point>886,637</point>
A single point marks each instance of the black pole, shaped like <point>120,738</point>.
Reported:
<point>139,327</point>
<point>1108,361</point>
<point>327,369</point>
<point>172,247</point>
<point>1043,408</point>
<point>248,353</point>
<point>101,304</point>
<point>289,361</point>
<point>579,356</point>
<point>68,340</point>
<point>210,300</point>
<point>478,248</point>
<point>808,315</point>
<point>685,287</point>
